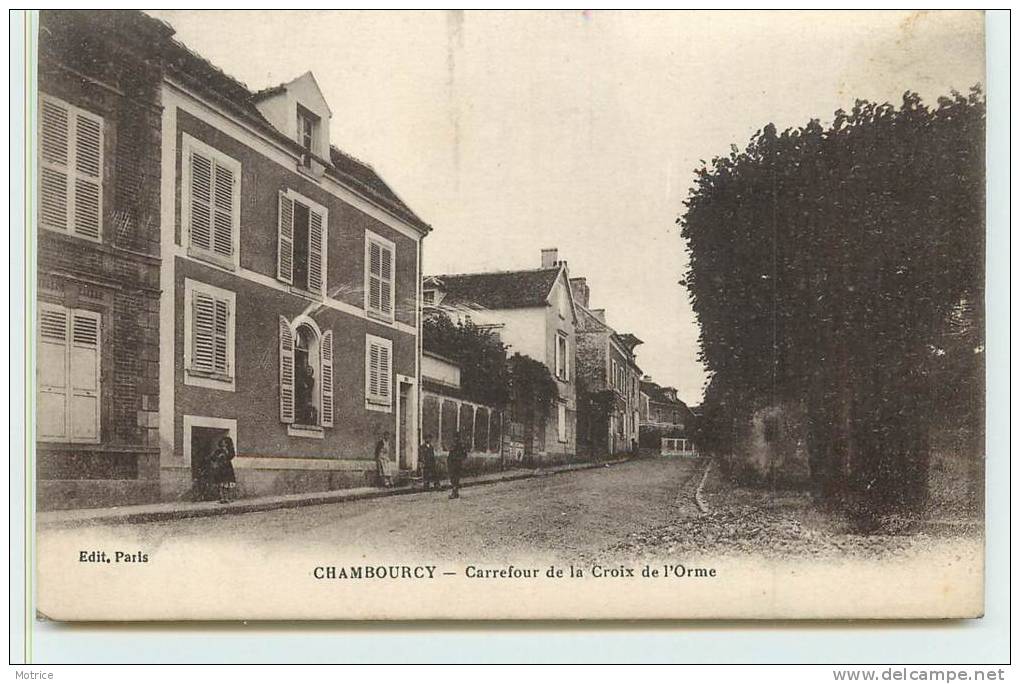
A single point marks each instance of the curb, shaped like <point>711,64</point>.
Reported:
<point>210,509</point>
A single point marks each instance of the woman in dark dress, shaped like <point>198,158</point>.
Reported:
<point>223,468</point>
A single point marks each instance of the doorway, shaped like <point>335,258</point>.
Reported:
<point>407,423</point>
<point>203,442</point>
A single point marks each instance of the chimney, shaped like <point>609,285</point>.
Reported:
<point>549,257</point>
<point>579,287</point>
<point>600,314</point>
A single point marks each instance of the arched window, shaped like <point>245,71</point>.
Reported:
<point>307,375</point>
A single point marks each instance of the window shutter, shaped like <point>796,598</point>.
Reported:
<point>384,373</point>
<point>203,332</point>
<point>373,370</point>
<point>53,146</point>
<point>285,240</point>
<point>223,210</point>
<point>88,158</point>
<point>201,194</point>
<point>386,274</point>
<point>374,276</point>
<point>326,374</point>
<point>52,372</point>
<point>316,247</point>
<point>221,331</point>
<point>84,364</point>
<point>286,372</point>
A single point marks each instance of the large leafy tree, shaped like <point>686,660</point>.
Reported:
<point>829,266</point>
<point>479,352</point>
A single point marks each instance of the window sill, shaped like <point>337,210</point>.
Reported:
<point>379,316</point>
<point>307,431</point>
<point>307,294</point>
<point>66,232</point>
<point>208,380</point>
<point>212,258</point>
<point>376,406</point>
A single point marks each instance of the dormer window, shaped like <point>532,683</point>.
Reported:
<point>307,123</point>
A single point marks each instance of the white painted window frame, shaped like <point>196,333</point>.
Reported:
<point>201,380</point>
<point>371,237</point>
<point>373,403</point>
<point>562,358</point>
<point>188,143</point>
<point>296,196</point>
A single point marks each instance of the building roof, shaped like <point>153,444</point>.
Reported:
<point>197,72</point>
<point>498,289</point>
<point>660,394</point>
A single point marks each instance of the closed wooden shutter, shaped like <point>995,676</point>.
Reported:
<point>88,189</point>
<point>84,374</point>
<point>286,372</point>
<point>373,371</point>
<point>326,373</point>
<point>380,278</point>
<point>374,276</point>
<point>223,211</point>
<point>69,374</point>
<point>316,248</point>
<point>52,372</point>
<point>386,275</point>
<point>379,371</point>
<point>210,333</point>
<point>54,195</point>
<point>201,228</point>
<point>71,169</point>
<point>212,208</point>
<point>285,240</point>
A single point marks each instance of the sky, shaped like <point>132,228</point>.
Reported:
<point>581,130</point>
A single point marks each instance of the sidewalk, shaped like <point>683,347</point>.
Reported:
<point>176,510</point>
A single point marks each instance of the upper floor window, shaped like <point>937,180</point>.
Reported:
<point>209,321</point>
<point>379,267</point>
<point>562,365</point>
<point>210,203</point>
<point>69,374</point>
<point>307,124</point>
<point>429,297</point>
<point>70,169</point>
<point>301,243</point>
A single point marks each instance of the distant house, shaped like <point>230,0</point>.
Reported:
<point>666,421</point>
<point>606,363</point>
<point>533,312</point>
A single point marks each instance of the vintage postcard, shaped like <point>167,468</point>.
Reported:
<point>508,315</point>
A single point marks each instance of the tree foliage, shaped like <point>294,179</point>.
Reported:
<point>532,389</point>
<point>480,353</point>
<point>828,266</point>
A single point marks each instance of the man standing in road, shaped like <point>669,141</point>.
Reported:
<point>428,464</point>
<point>454,463</point>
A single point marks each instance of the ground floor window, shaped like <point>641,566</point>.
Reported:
<point>306,374</point>
<point>69,374</point>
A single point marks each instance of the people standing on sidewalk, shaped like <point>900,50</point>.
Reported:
<point>221,464</point>
<point>383,463</point>
<point>454,464</point>
<point>430,473</point>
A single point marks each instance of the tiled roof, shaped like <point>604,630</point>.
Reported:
<point>198,72</point>
<point>499,289</point>
<point>658,394</point>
